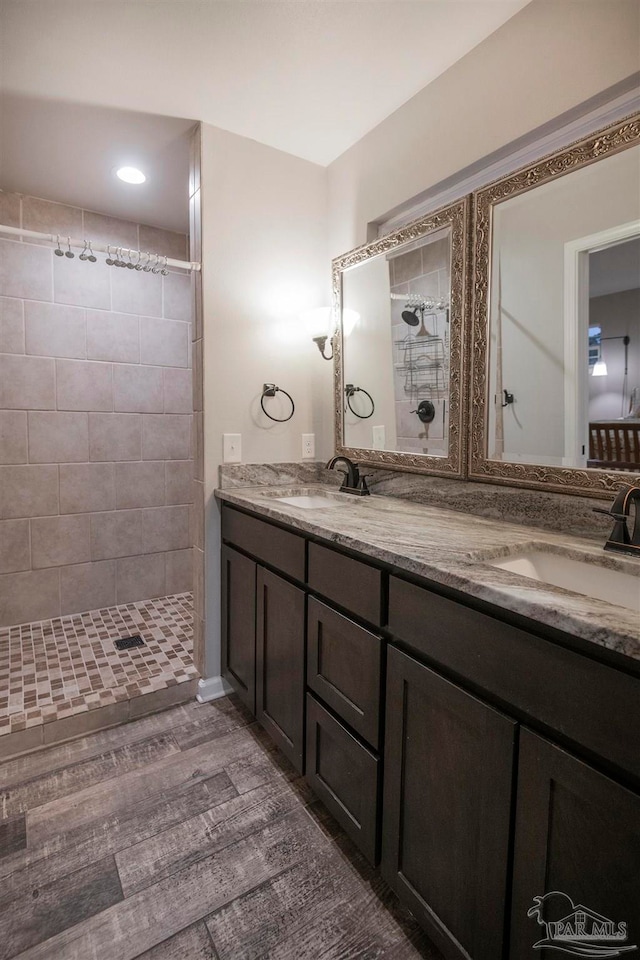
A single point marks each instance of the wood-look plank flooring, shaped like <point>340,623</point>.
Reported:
<point>184,836</point>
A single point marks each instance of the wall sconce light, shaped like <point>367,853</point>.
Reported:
<point>321,328</point>
<point>321,342</point>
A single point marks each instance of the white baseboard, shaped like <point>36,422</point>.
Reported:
<point>212,689</point>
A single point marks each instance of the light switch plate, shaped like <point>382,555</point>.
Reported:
<point>231,448</point>
<point>308,446</point>
<point>378,442</point>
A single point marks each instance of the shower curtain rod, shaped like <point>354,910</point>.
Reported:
<point>101,248</point>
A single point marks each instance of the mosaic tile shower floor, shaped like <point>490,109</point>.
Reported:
<point>59,668</point>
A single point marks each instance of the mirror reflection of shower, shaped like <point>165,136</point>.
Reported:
<point>421,353</point>
<point>420,298</point>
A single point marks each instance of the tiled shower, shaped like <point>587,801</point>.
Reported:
<point>95,460</point>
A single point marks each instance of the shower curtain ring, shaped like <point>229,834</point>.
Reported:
<point>130,264</point>
<point>91,256</point>
<point>83,255</point>
<point>156,269</point>
<point>58,252</point>
<point>68,252</point>
<point>147,266</point>
<point>138,264</point>
<point>164,271</point>
<point>109,260</point>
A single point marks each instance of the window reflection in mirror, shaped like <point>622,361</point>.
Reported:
<point>396,339</point>
<point>565,320</point>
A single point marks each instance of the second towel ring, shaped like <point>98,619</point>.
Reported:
<point>270,390</point>
<point>350,390</point>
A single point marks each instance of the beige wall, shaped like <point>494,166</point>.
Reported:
<point>95,414</point>
<point>264,261</point>
<point>265,257</point>
<point>550,57</point>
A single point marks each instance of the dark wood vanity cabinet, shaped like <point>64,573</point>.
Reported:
<point>449,762</point>
<point>280,663</point>
<point>426,726</point>
<point>577,834</point>
<point>279,639</point>
<point>239,624</point>
<point>263,628</point>
<point>593,705</point>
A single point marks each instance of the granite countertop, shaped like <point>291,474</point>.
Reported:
<point>451,548</point>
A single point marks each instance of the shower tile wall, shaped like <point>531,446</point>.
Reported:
<point>95,419</point>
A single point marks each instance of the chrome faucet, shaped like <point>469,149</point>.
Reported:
<point>619,513</point>
<point>353,482</point>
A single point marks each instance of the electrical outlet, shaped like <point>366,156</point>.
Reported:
<point>378,442</point>
<point>308,446</point>
<point>231,448</point>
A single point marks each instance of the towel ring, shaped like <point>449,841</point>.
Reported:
<point>350,390</point>
<point>270,390</point>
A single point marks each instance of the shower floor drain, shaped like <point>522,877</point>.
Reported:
<point>126,643</point>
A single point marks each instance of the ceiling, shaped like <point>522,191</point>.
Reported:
<point>309,77</point>
<point>69,152</point>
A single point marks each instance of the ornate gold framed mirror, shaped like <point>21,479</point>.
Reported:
<point>555,339</point>
<point>399,349</point>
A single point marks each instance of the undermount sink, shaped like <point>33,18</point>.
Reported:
<point>580,576</point>
<point>311,499</point>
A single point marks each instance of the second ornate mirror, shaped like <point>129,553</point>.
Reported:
<point>556,320</point>
<point>399,350</point>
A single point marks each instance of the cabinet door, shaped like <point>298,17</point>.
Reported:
<point>447,802</point>
<point>280,663</point>
<point>577,846</point>
<point>239,624</point>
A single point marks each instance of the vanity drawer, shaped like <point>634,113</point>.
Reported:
<point>343,667</point>
<point>353,585</point>
<point>590,703</point>
<point>345,775</point>
<point>266,542</point>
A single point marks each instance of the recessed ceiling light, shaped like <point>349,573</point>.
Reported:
<point>131,175</point>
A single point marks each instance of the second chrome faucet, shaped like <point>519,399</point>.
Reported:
<point>620,512</point>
